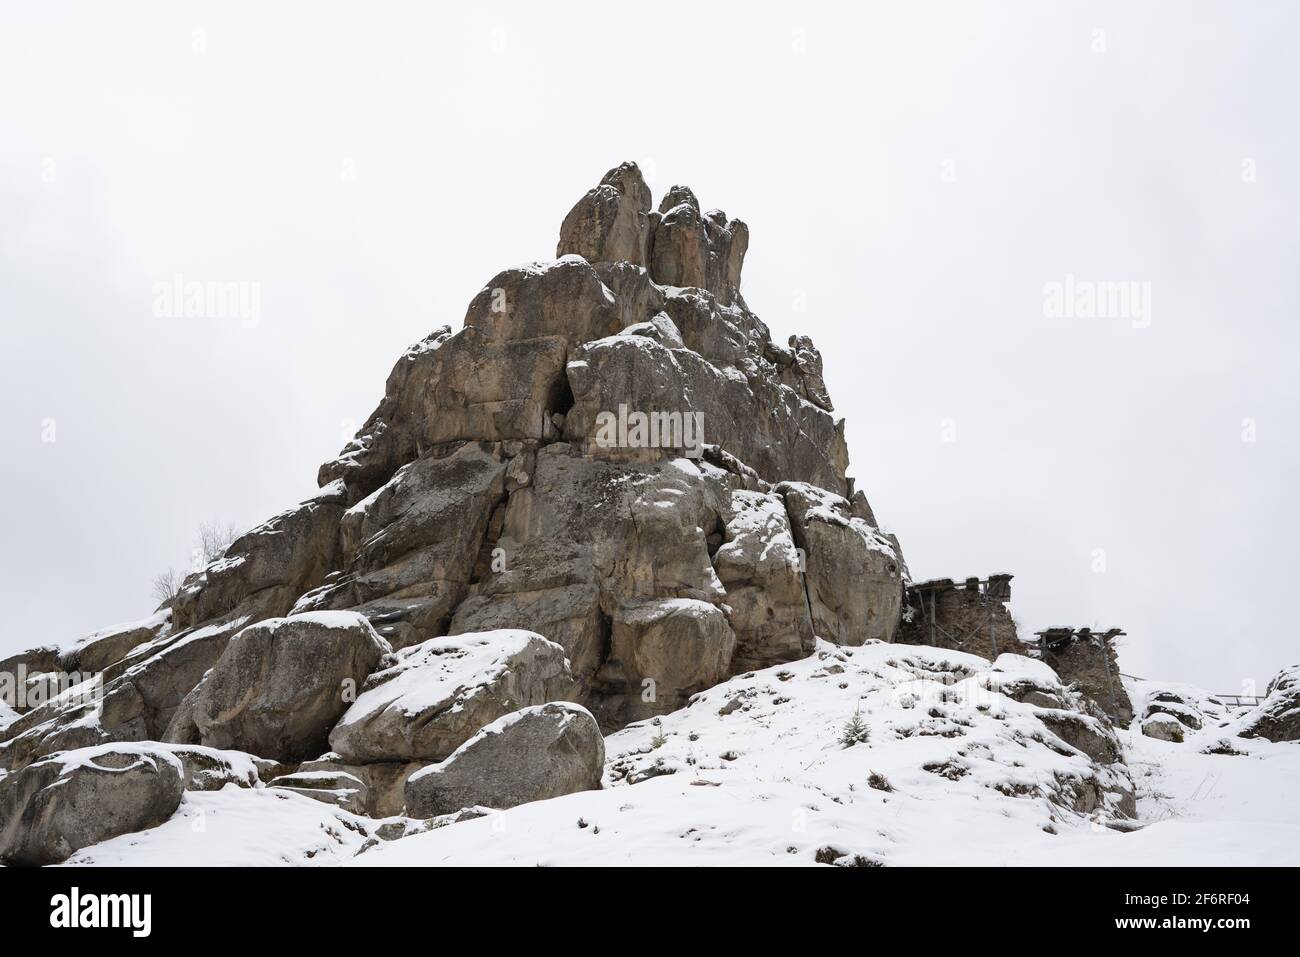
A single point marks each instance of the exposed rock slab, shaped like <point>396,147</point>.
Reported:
<point>281,685</point>
<point>1278,716</point>
<point>533,754</point>
<point>759,566</point>
<point>854,574</point>
<point>432,697</point>
<point>62,803</point>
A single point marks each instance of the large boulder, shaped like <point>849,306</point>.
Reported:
<point>534,754</point>
<point>661,652</point>
<point>135,699</point>
<point>289,553</point>
<point>281,685</point>
<point>17,670</point>
<point>792,439</point>
<point>854,573</point>
<point>693,249</point>
<point>610,223</point>
<point>1278,716</point>
<point>73,799</point>
<point>432,697</point>
<point>759,566</point>
<point>467,387</point>
<point>1164,727</point>
<point>409,548</point>
<point>565,299</point>
<point>106,647</point>
<point>581,536</point>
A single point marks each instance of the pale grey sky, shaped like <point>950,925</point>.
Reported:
<point>913,174</point>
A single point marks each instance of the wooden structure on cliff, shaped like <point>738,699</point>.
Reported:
<point>969,617</point>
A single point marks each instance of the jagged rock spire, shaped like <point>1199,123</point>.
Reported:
<point>678,245</point>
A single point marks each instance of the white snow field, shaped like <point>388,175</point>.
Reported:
<point>754,772</point>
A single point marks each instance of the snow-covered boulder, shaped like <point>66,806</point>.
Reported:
<point>530,755</point>
<point>430,698</point>
<point>759,566</point>
<point>1164,727</point>
<point>74,799</point>
<point>854,573</point>
<point>281,685</point>
<point>210,769</point>
<point>611,223</point>
<point>97,651</point>
<point>1278,715</point>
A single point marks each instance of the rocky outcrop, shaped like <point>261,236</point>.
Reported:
<point>409,548</point>
<point>74,799</point>
<point>16,670</point>
<point>1087,659</point>
<point>280,686</point>
<point>1164,727</point>
<point>661,652</point>
<point>430,698</point>
<point>610,487</point>
<point>1278,716</point>
<point>270,565</point>
<point>530,755</point>
<point>760,568</point>
<point>854,573</point>
<point>970,617</point>
<point>611,223</point>
<point>106,647</point>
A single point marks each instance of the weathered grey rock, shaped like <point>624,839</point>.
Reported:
<point>791,440</point>
<point>432,697</point>
<point>136,698</point>
<point>16,670</point>
<point>759,566</point>
<point>336,787</point>
<point>1278,716</point>
<point>808,367</point>
<point>661,652</point>
<point>292,551</point>
<point>1164,727</point>
<point>584,536</point>
<point>73,799</point>
<point>383,783</point>
<point>854,574</point>
<point>611,222</point>
<point>280,686</point>
<point>533,754</point>
<point>409,548</point>
<point>1091,664</point>
<point>108,646</point>
<point>1084,733</point>
<point>1177,707</point>
<point>660,328</point>
<point>564,299</point>
<point>693,249</point>
<point>209,769</point>
<point>455,388</point>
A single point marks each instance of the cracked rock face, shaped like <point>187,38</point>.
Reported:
<point>430,698</point>
<point>533,754</point>
<point>68,801</point>
<point>610,487</point>
<point>280,686</point>
<point>1278,716</point>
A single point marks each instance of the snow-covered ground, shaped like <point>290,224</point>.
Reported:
<point>756,771</point>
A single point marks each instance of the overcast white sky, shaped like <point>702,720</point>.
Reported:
<point>914,173</point>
